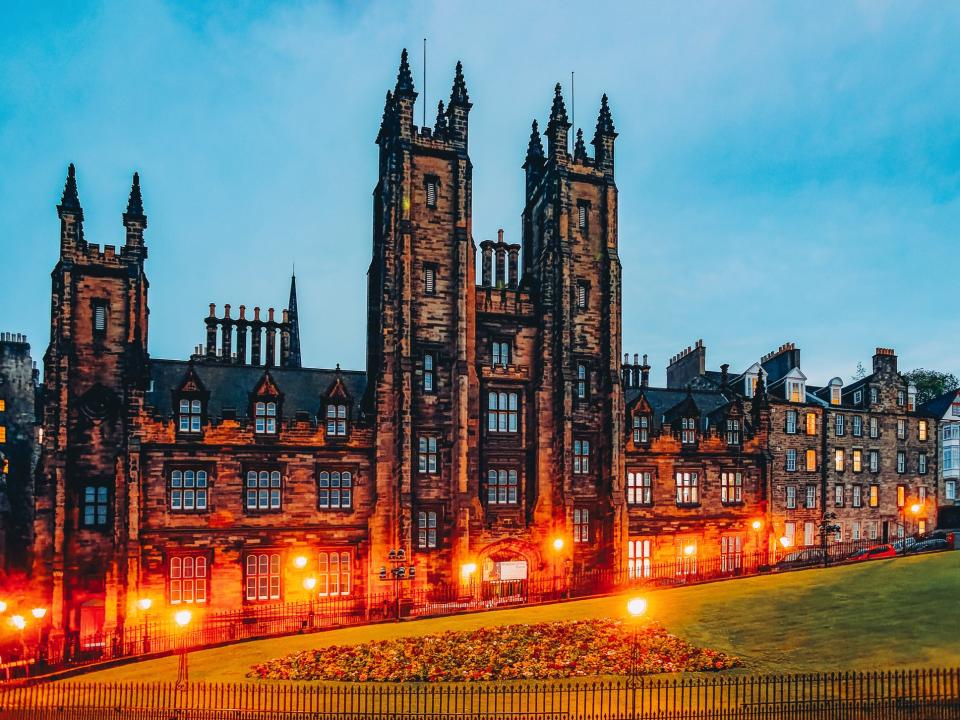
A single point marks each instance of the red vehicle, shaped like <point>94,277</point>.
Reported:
<point>874,553</point>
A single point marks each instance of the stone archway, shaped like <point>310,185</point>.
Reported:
<point>509,560</point>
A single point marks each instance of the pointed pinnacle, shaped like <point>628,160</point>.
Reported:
<point>70,200</point>
<point>605,119</point>
<point>579,149</point>
<point>458,95</point>
<point>558,112</point>
<point>441,125</point>
<point>404,77</point>
<point>535,147</point>
<point>135,203</point>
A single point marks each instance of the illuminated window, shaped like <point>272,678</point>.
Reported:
<point>857,426</point>
<point>188,490</point>
<point>838,495</point>
<point>750,388</point>
<point>95,505</point>
<point>639,558</point>
<point>731,488</point>
<point>502,412</point>
<point>581,457</point>
<point>874,496</point>
<point>3,434</point>
<point>922,430</point>
<point>426,529</point>
<point>731,553</point>
<point>334,489</point>
<point>688,490</point>
<point>858,460</point>
<point>791,460</point>
<point>922,463</point>
<point>428,455</point>
<point>733,432</point>
<point>263,490</point>
<point>501,353</point>
<point>795,391</point>
<point>835,395</point>
<point>791,422</point>
<point>790,493</point>
<point>811,460</point>
<point>688,431</point>
<point>187,579</point>
<point>430,279</point>
<point>582,382</point>
<point>428,372</point>
<point>190,415</point>
<point>641,428</point>
<point>581,525</point>
<point>686,556</point>
<point>838,460</point>
<point>901,462</point>
<point>262,575</point>
<point>901,496</point>
<point>839,425</point>
<point>336,420</point>
<point>811,423</point>
<point>333,573</point>
<point>857,496</point>
<point>639,488</point>
<point>502,487</point>
<point>3,405</point>
<point>265,416</point>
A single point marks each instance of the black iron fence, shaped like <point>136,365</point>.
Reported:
<point>213,628</point>
<point>927,694</point>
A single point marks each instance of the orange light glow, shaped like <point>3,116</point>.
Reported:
<point>39,612</point>
<point>689,549</point>
<point>3,606</point>
<point>18,621</point>
<point>637,606</point>
<point>467,569</point>
<point>309,583</point>
<point>182,618</point>
<point>558,544</point>
<point>757,524</point>
<point>144,604</point>
<point>786,542</point>
<point>916,508</point>
<point>300,562</point>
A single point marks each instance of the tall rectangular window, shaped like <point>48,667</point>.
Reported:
<point>857,496</point>
<point>733,432</point>
<point>262,577</point>
<point>795,391</point>
<point>874,461</point>
<point>874,496</point>
<point>639,488</point>
<point>99,317</point>
<point>95,506</point>
<point>431,193</point>
<point>858,460</point>
<point>688,431</point>
<point>334,489</point>
<point>501,353</point>
<point>731,553</point>
<point>639,558</point>
<point>811,460</point>
<point>838,495</point>
<point>263,490</point>
<point>950,489</point>
<point>428,454</point>
<point>838,460</point>
<point>502,412</point>
<point>265,417</point>
<point>688,490</point>
<point>426,529</point>
<point>188,489</point>
<point>791,460</point>
<point>333,573</point>
<point>922,430</point>
<point>581,457</point>
<point>901,496</point>
<point>811,500</point>
<point>582,293</point>
<point>731,488</point>
<point>811,423</point>
<point>901,462</point>
<point>581,525</point>
<point>791,422</point>
<point>857,426</point>
<point>686,554</point>
<point>430,279</point>
<point>190,415</point>
<point>502,486</point>
<point>428,372</point>
<point>839,425</point>
<point>641,429</point>
<point>922,463</point>
<point>790,494</point>
<point>790,533</point>
<point>582,382</point>
<point>582,215</point>
<point>808,533</point>
<point>336,420</point>
<point>187,579</point>
<point>874,427</point>
<point>901,429</point>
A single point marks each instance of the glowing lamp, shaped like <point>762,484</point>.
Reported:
<point>558,544</point>
<point>309,583</point>
<point>467,569</point>
<point>144,604</point>
<point>757,524</point>
<point>300,562</point>
<point>182,618</point>
<point>786,542</point>
<point>39,612</point>
<point>637,606</point>
<point>3,606</point>
<point>689,549</point>
<point>18,621</point>
<point>916,508</point>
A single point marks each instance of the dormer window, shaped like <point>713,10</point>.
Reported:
<point>835,395</point>
<point>733,432</point>
<point>190,415</point>
<point>858,397</point>
<point>641,428</point>
<point>795,391</point>
<point>750,385</point>
<point>336,420</point>
<point>688,431</point>
<point>265,417</point>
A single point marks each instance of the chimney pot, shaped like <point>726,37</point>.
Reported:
<point>213,310</point>
<point>243,312</point>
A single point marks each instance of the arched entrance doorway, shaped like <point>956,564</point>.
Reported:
<point>506,567</point>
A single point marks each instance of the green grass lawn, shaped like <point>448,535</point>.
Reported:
<point>876,615</point>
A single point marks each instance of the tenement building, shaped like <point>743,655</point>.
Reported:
<point>946,410</point>
<point>495,434</point>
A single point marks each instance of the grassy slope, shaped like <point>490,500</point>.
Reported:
<point>882,614</point>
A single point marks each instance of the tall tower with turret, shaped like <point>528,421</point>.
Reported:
<point>94,377</point>
<point>422,382</point>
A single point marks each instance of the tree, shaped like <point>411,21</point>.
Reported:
<point>931,383</point>
<point>860,374</point>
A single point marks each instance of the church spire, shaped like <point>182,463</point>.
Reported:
<point>458,95</point>
<point>293,358</point>
<point>135,202</point>
<point>70,200</point>
<point>404,77</point>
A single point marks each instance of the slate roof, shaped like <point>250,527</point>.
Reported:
<point>663,400</point>
<point>939,405</point>
<point>230,387</point>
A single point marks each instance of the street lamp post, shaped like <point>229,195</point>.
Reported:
<point>636,607</point>
<point>145,604</point>
<point>310,584</point>
<point>20,622</point>
<point>557,549</point>
<point>398,572</point>
<point>39,613</point>
<point>182,618</point>
<point>757,526</point>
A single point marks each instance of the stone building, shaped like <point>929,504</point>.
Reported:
<point>946,410</point>
<point>19,451</point>
<point>487,424</point>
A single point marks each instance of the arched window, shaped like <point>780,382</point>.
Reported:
<point>336,420</point>
<point>187,578</point>
<point>333,573</point>
<point>188,489</point>
<point>334,489</point>
<point>264,490</point>
<point>502,487</point>
<point>265,415</point>
<point>190,415</point>
<point>502,412</point>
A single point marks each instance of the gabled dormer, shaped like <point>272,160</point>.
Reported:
<point>641,423</point>
<point>749,380</point>
<point>337,403</point>
<point>684,419</point>
<point>265,404</point>
<point>734,423</point>
<point>795,386</point>
<point>190,401</point>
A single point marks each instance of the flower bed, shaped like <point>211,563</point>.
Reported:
<point>513,652</point>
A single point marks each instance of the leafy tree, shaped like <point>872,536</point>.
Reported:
<point>931,383</point>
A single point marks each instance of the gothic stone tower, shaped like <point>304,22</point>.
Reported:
<point>570,256</point>
<point>420,363</point>
<point>94,377</point>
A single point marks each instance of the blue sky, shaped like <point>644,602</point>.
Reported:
<point>787,171</point>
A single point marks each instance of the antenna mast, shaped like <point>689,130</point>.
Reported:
<point>424,82</point>
<point>573,106</point>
